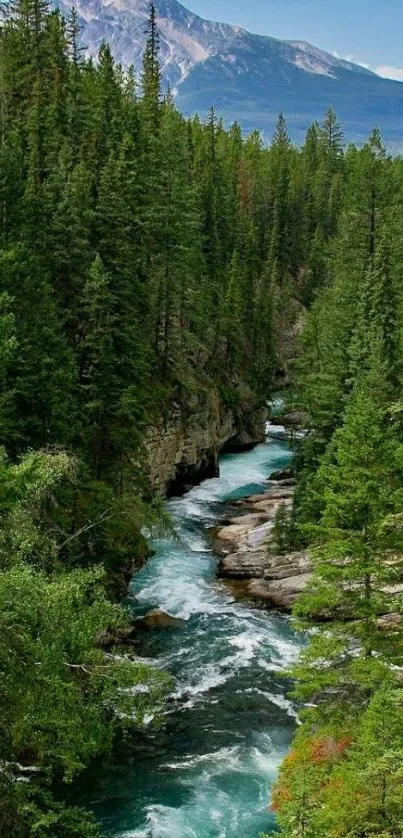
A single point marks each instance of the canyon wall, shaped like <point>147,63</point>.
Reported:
<point>184,449</point>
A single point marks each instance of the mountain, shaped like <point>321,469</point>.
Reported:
<point>247,77</point>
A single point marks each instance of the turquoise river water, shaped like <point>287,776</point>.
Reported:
<point>207,772</point>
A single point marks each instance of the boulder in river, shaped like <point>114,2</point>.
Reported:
<point>120,637</point>
<point>159,619</point>
<point>244,565</point>
<point>245,549</point>
<point>274,580</point>
<point>280,593</point>
<point>274,494</point>
<point>294,419</point>
<point>243,441</point>
<point>282,474</point>
<point>234,533</point>
<point>253,519</point>
<point>259,535</point>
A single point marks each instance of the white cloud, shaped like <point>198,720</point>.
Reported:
<point>388,72</point>
<point>351,58</point>
<point>342,57</point>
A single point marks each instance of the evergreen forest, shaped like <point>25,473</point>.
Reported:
<point>146,261</point>
<point>343,777</point>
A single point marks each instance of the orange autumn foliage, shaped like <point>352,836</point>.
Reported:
<point>329,749</point>
<point>316,752</point>
<point>281,795</point>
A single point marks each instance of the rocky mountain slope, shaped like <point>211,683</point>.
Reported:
<point>245,76</point>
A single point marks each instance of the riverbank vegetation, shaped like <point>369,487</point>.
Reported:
<point>343,777</point>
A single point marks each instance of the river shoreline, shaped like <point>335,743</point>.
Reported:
<point>247,561</point>
<point>252,568</point>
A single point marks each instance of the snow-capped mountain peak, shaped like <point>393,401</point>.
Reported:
<point>247,77</point>
<point>186,39</point>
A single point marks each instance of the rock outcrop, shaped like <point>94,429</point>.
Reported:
<point>129,635</point>
<point>243,543</point>
<point>253,570</point>
<point>184,450</point>
<point>284,475</point>
<point>159,619</point>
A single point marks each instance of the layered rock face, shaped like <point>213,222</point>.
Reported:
<point>184,450</point>
<point>276,581</point>
<point>246,560</point>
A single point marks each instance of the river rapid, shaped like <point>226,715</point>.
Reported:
<point>207,772</point>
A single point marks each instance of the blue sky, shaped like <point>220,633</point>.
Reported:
<point>364,31</point>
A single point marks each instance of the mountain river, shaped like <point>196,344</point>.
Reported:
<point>207,772</point>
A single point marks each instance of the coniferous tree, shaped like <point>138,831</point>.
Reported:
<point>377,332</point>
<point>151,75</point>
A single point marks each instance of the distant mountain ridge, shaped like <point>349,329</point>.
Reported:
<point>247,77</point>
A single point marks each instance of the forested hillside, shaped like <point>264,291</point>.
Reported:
<point>344,775</point>
<point>144,260</point>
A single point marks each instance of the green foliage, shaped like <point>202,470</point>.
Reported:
<point>28,810</point>
<point>62,699</point>
<point>284,537</point>
<point>343,778</point>
<point>26,491</point>
<point>73,696</point>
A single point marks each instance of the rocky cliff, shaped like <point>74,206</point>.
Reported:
<point>246,560</point>
<point>184,449</point>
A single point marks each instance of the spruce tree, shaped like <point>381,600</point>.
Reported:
<point>151,75</point>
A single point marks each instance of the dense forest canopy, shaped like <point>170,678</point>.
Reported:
<point>146,259</point>
<point>343,778</point>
